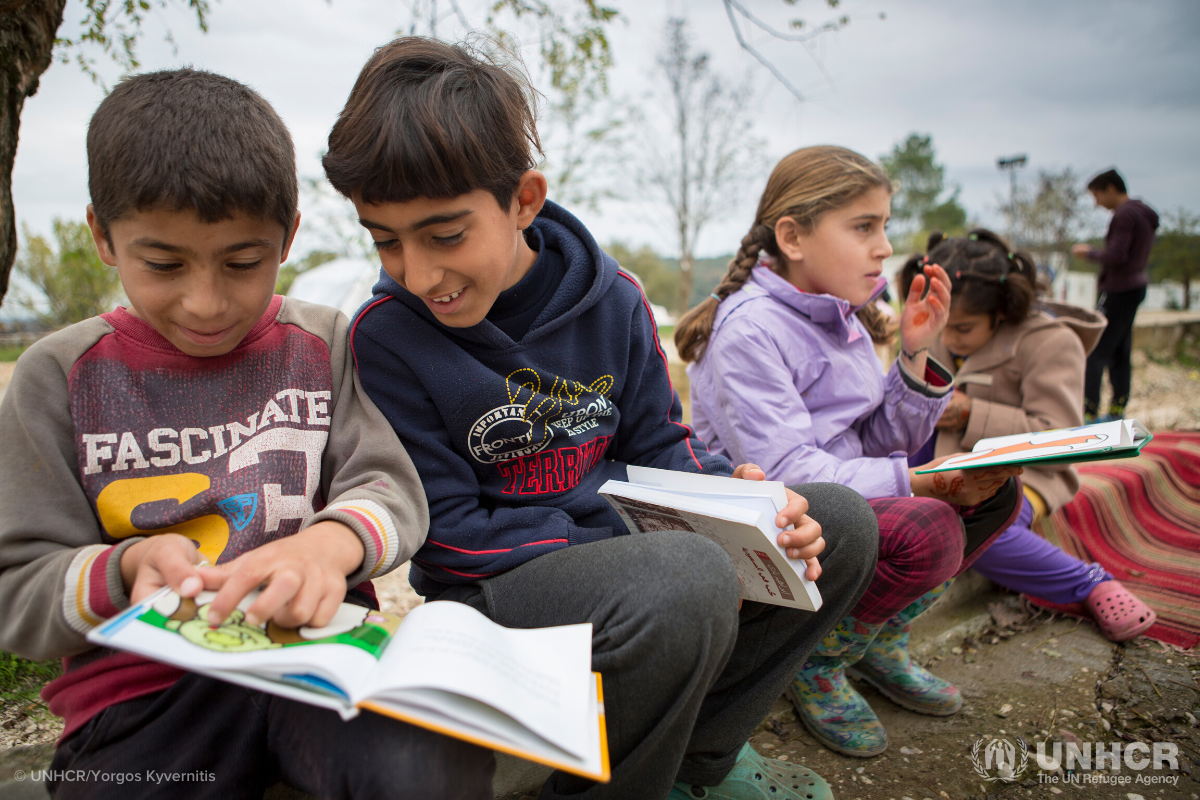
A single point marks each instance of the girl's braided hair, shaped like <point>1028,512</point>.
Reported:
<point>986,276</point>
<point>804,186</point>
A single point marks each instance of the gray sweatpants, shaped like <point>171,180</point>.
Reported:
<point>687,677</point>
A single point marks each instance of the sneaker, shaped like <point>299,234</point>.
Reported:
<point>756,778</point>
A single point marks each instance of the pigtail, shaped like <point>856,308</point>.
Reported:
<point>695,327</point>
<point>878,324</point>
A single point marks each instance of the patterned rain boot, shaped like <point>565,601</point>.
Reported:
<point>827,704</point>
<point>888,667</point>
<point>756,778</point>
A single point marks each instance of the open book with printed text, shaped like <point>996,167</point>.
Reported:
<point>738,515</point>
<point>445,667</point>
<point>1120,438</point>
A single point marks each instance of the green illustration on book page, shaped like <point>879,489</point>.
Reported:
<point>352,625</point>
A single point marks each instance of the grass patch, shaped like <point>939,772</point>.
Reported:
<point>11,352</point>
<point>21,680</point>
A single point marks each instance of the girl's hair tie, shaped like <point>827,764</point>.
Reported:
<point>1003,278</point>
<point>713,295</point>
<point>958,274</point>
<point>1010,255</point>
<point>974,237</point>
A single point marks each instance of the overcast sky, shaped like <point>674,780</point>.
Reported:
<point>1082,83</point>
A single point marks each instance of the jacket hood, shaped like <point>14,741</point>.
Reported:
<point>1144,211</point>
<point>590,273</point>
<point>1083,322</point>
<point>1086,323</point>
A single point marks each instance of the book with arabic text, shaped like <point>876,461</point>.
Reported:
<point>738,515</point>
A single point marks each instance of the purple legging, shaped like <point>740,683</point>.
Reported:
<point>1021,560</point>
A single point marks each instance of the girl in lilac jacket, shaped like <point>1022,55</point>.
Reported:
<point>786,377</point>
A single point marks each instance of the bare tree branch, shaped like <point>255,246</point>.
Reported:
<point>729,6</point>
<point>699,166</point>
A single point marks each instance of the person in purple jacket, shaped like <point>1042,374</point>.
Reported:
<point>786,376</point>
<point>1122,287</point>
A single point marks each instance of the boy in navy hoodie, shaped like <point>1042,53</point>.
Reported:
<point>521,369</point>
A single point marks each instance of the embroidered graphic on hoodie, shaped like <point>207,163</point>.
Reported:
<point>543,409</point>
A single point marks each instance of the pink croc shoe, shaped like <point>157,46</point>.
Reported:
<point>1120,615</point>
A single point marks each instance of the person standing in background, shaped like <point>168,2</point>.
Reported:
<point>1121,287</point>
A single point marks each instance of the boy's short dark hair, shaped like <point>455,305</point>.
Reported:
<point>1107,179</point>
<point>430,119</point>
<point>189,139</point>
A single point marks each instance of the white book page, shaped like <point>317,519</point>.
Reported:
<point>707,485</point>
<point>540,676</point>
<point>1137,431</point>
<point>1087,439</point>
<point>745,530</point>
<point>494,728</point>
<point>1106,434</point>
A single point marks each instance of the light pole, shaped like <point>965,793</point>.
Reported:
<point>1012,164</point>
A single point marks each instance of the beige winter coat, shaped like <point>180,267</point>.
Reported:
<point>1028,377</point>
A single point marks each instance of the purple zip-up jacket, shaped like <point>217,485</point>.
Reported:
<point>790,382</point>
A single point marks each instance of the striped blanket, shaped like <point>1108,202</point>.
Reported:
<point>1140,518</point>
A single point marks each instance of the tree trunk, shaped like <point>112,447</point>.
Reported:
<point>27,30</point>
<point>686,265</point>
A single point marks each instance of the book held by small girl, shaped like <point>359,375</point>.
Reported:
<point>1120,438</point>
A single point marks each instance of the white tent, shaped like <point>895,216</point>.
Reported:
<point>344,284</point>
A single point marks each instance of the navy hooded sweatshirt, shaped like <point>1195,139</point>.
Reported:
<point>513,438</point>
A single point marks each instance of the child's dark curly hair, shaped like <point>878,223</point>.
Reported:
<point>986,276</point>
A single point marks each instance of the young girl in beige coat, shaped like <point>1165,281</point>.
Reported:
<point>1019,369</point>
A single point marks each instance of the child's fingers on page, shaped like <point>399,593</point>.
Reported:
<point>282,588</point>
<point>807,531</point>
<point>808,551</point>
<point>749,472</point>
<point>214,577</point>
<point>176,562</point>
<point>241,576</point>
<point>326,609</point>
<point>794,512</point>
<point>814,569</point>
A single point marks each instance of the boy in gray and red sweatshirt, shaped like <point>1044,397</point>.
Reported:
<point>211,436</point>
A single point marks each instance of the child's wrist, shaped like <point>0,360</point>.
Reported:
<point>916,483</point>
<point>130,562</point>
<point>341,542</point>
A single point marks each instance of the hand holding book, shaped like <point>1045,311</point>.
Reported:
<point>801,534</point>
<point>742,516</point>
<point>964,487</point>
<point>1122,438</point>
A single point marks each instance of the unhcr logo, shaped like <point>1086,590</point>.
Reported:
<point>999,759</point>
<point>1108,759</point>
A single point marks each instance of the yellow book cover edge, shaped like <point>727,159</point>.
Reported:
<point>604,776</point>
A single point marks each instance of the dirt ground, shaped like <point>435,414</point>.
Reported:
<point>1036,680</point>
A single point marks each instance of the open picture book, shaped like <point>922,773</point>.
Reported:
<point>738,515</point>
<point>1121,438</point>
<point>446,667</point>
